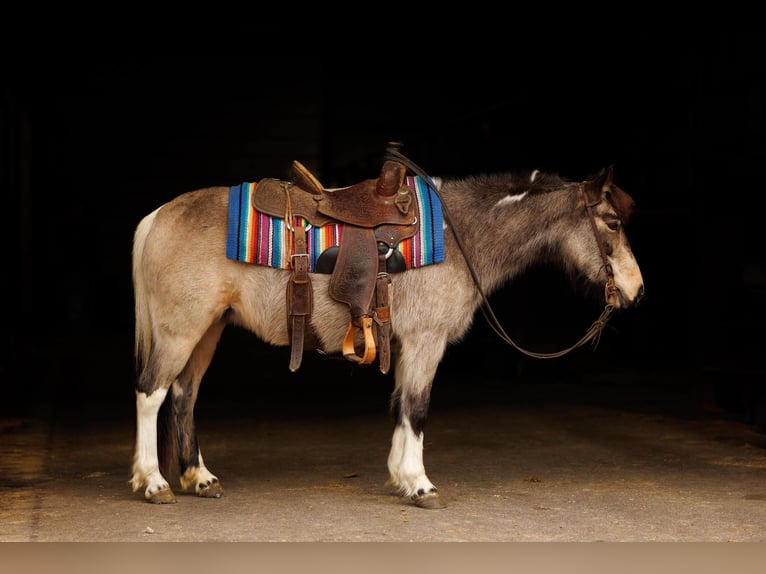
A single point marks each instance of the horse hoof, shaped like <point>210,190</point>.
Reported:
<point>164,496</point>
<point>430,501</point>
<point>215,490</point>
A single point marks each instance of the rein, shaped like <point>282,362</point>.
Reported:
<point>593,333</point>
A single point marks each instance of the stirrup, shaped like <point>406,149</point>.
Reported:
<point>349,350</point>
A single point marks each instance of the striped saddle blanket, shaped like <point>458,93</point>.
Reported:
<point>255,237</point>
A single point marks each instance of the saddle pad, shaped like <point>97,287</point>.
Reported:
<point>254,237</point>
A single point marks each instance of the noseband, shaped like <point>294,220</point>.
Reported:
<point>593,332</point>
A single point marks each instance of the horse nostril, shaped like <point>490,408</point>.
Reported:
<point>640,294</point>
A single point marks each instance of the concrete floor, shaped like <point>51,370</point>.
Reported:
<point>596,459</point>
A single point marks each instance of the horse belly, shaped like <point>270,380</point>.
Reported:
<point>260,306</point>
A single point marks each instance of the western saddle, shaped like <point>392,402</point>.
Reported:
<point>375,214</point>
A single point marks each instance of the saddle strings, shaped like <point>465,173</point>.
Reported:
<point>286,187</point>
<point>593,333</point>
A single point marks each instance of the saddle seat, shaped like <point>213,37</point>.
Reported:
<point>374,213</point>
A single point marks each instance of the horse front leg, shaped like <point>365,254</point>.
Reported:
<point>415,370</point>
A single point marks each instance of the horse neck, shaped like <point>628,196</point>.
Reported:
<point>502,241</point>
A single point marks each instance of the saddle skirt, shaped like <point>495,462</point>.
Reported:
<point>262,239</point>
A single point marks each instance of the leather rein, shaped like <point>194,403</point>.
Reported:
<point>593,333</point>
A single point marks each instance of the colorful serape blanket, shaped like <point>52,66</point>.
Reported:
<point>254,237</point>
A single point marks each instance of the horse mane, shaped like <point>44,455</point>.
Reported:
<point>516,182</point>
<point>537,182</point>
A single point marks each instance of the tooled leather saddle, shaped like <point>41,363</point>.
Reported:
<point>376,215</point>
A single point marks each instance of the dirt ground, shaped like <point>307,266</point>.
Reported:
<point>597,460</point>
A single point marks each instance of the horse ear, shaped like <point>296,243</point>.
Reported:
<point>621,201</point>
<point>604,178</point>
<point>609,173</point>
<point>597,185</point>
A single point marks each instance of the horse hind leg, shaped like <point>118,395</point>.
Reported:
<point>146,470</point>
<point>180,434</point>
<point>179,451</point>
<point>181,365</point>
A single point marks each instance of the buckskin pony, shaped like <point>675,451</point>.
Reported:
<point>401,258</point>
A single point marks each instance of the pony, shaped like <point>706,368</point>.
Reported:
<point>495,226</point>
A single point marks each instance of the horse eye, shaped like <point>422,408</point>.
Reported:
<point>613,224</point>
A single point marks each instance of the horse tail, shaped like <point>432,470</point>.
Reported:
<point>166,424</point>
<point>167,441</point>
<point>143,333</point>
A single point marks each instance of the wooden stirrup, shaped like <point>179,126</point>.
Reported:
<point>349,349</point>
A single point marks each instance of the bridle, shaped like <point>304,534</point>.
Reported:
<point>592,334</point>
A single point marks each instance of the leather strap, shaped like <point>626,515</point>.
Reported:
<point>299,300</point>
<point>383,315</point>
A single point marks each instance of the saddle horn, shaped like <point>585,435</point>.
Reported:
<point>392,174</point>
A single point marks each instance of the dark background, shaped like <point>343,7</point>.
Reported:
<point>99,130</point>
